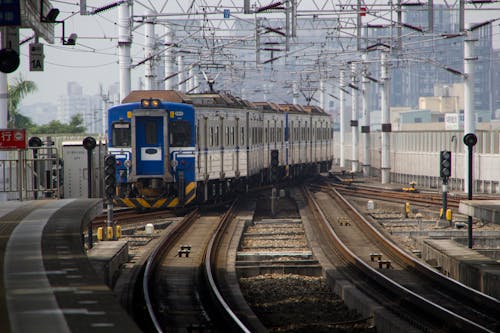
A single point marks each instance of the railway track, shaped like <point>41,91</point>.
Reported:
<point>408,286</point>
<point>179,278</point>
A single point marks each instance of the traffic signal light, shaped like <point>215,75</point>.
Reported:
<point>445,164</point>
<point>274,165</point>
<point>89,143</point>
<point>9,60</point>
<point>109,176</point>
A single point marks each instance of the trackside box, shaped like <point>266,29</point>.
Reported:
<point>75,169</point>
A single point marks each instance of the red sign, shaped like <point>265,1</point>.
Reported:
<point>12,139</point>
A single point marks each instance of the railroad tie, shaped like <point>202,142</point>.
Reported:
<point>184,251</point>
<point>381,263</point>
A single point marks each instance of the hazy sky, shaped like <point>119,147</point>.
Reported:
<point>94,60</point>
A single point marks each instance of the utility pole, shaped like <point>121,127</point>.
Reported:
<point>365,128</point>
<point>180,70</point>
<point>149,42</point>
<point>169,57</point>
<point>342,116</point>
<point>124,43</point>
<point>354,118</point>
<point>469,112</point>
<point>385,165</point>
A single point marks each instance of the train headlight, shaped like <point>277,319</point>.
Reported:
<point>128,163</point>
<point>150,103</point>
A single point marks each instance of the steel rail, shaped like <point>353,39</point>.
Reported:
<point>484,301</point>
<point>154,259</point>
<point>427,306</point>
<point>209,263</point>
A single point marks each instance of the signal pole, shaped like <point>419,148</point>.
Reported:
<point>445,173</point>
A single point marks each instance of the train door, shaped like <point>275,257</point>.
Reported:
<point>150,141</point>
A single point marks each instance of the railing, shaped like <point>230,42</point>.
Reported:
<point>33,173</point>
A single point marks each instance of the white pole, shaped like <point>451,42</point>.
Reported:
<point>169,57</point>
<point>342,116</point>
<point>365,128</point>
<point>196,83</point>
<point>180,69</point>
<point>469,112</point>
<point>354,119</point>
<point>159,66</point>
<point>385,165</point>
<point>149,42</point>
<point>322,93</point>
<point>190,82</point>
<point>124,42</point>
<point>4,97</point>
<point>295,93</point>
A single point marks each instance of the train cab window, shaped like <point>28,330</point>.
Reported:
<point>180,133</point>
<point>121,134</point>
<point>150,133</point>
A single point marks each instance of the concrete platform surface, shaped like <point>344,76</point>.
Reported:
<point>485,210</point>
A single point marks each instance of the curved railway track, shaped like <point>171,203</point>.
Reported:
<point>410,286</point>
<point>179,277</point>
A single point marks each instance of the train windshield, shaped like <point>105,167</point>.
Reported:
<point>180,133</point>
<point>121,135</point>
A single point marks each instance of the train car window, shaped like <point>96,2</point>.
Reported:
<point>121,134</point>
<point>216,135</point>
<point>180,133</point>
<point>150,133</point>
<point>211,136</point>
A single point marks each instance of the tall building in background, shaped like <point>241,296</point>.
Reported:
<point>75,102</point>
<point>419,69</point>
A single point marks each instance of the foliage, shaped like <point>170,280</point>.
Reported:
<point>55,126</point>
<point>16,92</point>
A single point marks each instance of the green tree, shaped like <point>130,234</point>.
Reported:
<point>16,92</point>
<point>56,127</point>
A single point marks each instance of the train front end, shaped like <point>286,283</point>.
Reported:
<point>154,146</point>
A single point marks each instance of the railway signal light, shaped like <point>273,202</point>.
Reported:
<point>445,164</point>
<point>109,176</point>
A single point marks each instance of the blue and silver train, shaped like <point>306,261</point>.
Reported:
<point>173,149</point>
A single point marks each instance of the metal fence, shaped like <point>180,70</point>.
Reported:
<point>33,173</point>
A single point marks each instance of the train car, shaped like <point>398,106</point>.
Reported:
<point>173,148</point>
<point>154,143</point>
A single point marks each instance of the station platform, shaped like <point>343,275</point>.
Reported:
<point>486,210</point>
<point>47,283</point>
